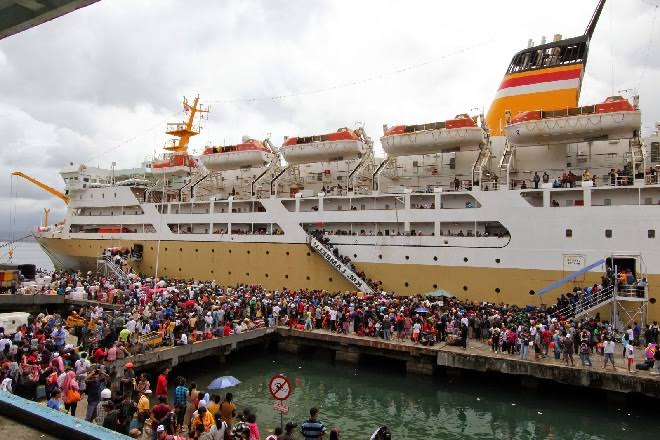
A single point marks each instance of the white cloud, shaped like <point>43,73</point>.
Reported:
<point>75,88</point>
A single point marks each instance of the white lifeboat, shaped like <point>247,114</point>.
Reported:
<point>615,118</point>
<point>173,164</point>
<point>343,144</point>
<point>249,154</point>
<point>460,133</point>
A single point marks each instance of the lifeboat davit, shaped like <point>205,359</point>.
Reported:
<point>174,164</point>
<point>343,144</point>
<point>249,154</point>
<point>615,118</point>
<point>460,133</point>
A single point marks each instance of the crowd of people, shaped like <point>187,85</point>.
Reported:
<point>155,312</point>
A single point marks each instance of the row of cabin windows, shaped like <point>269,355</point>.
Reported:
<point>608,233</point>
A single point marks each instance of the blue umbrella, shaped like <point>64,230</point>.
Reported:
<point>421,310</point>
<point>223,382</point>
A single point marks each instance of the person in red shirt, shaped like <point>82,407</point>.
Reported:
<point>161,385</point>
<point>227,330</point>
<point>159,413</point>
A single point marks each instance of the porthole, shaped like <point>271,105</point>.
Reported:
<point>435,258</point>
<point>497,260</point>
<point>380,257</point>
<point>248,252</point>
<point>211,272</point>
<point>531,292</point>
<point>230,251</point>
<point>179,269</point>
<point>180,249</point>
<point>608,233</point>
<point>247,274</point>
<point>267,252</point>
<point>286,276</point>
<point>287,252</point>
<point>196,250</point>
<point>266,275</point>
<point>465,288</point>
<point>330,279</point>
<point>229,273</point>
<point>435,286</point>
<point>307,278</point>
<point>354,255</point>
<point>465,259</point>
<point>152,248</point>
<point>652,300</point>
<point>212,251</point>
<point>407,257</point>
<point>497,290</point>
<point>308,254</point>
<point>569,233</point>
<point>165,249</point>
<point>651,233</point>
<point>406,284</point>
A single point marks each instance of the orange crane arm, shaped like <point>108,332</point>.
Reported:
<point>43,186</point>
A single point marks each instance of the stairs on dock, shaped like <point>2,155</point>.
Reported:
<point>586,307</point>
<point>105,262</point>
<point>344,270</point>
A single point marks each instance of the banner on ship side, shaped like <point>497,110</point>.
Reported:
<point>339,266</point>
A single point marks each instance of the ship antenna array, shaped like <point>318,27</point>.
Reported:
<point>648,47</point>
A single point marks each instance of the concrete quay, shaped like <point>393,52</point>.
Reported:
<point>37,302</point>
<point>418,359</point>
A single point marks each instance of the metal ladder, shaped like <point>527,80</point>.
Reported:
<point>481,164</point>
<point>638,156</point>
<point>506,161</point>
<point>338,265</point>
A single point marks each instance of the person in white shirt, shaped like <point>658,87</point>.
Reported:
<point>4,342</point>
<point>630,356</point>
<point>184,339</point>
<point>608,352</point>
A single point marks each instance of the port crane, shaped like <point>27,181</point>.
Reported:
<point>43,186</point>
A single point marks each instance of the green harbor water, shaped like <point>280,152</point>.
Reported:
<point>357,399</point>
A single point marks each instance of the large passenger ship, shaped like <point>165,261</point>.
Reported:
<point>488,207</point>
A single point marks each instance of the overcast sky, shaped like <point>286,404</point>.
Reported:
<point>98,85</point>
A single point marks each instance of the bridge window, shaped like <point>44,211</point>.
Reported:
<point>569,233</point>
<point>608,233</point>
<point>651,233</point>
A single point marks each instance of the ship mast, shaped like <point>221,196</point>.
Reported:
<point>184,130</point>
<point>591,27</point>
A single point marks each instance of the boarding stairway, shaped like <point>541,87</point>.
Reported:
<point>587,305</point>
<point>637,156</point>
<point>481,165</point>
<point>343,269</point>
<point>506,161</point>
<point>105,262</point>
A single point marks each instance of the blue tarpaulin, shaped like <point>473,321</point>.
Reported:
<point>570,277</point>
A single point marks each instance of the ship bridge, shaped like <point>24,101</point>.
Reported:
<point>19,15</point>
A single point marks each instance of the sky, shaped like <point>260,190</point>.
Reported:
<point>98,85</point>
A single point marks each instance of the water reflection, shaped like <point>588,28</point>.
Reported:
<point>359,399</point>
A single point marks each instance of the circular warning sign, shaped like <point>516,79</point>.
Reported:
<point>280,387</point>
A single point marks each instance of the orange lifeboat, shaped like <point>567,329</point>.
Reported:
<point>249,154</point>
<point>455,134</point>
<point>342,144</point>
<point>173,164</point>
<point>615,118</point>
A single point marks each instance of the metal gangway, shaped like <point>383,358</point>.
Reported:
<point>106,266</point>
<point>343,269</point>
